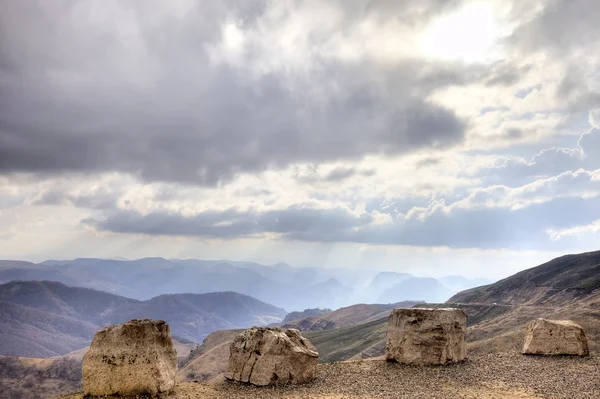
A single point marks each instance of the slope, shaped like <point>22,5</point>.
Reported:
<point>567,287</point>
<point>209,361</point>
<point>344,317</point>
<point>194,316</point>
<point>568,279</point>
<point>44,318</point>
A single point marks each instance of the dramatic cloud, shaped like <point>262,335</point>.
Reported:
<point>494,217</point>
<point>160,96</point>
<point>548,162</point>
<point>345,126</point>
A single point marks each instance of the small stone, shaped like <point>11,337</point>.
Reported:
<point>422,336</point>
<point>555,337</point>
<point>272,356</point>
<point>129,359</point>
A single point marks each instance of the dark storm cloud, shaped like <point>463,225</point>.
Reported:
<point>132,89</point>
<point>101,199</point>
<point>230,223</point>
<point>340,174</point>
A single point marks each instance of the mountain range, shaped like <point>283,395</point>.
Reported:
<point>293,289</point>
<point>45,318</point>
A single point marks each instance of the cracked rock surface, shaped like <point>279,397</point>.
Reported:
<point>133,358</point>
<point>272,356</point>
<point>421,336</point>
<point>555,337</point>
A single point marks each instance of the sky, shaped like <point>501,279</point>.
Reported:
<point>434,137</point>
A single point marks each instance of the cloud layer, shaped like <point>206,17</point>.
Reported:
<point>300,122</point>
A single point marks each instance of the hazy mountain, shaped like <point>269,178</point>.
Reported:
<point>290,288</point>
<point>284,286</point>
<point>330,294</point>
<point>58,298</point>
<point>194,316</point>
<point>386,280</point>
<point>416,288</point>
<point>381,283</point>
<point>460,283</point>
<point>44,318</point>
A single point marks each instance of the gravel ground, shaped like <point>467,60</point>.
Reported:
<point>480,377</point>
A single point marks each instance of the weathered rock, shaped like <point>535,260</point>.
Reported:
<point>422,336</point>
<point>132,358</point>
<point>555,337</point>
<point>272,356</point>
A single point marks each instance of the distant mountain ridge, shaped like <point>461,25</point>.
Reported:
<point>426,289</point>
<point>291,288</point>
<point>46,318</point>
<point>284,286</point>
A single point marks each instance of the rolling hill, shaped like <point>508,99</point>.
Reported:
<point>45,318</point>
<point>562,281</point>
<point>305,313</point>
<point>344,317</point>
<point>567,287</point>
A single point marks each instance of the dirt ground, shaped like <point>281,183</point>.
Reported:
<point>480,377</point>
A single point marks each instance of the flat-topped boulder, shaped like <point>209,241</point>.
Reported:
<point>555,337</point>
<point>272,356</point>
<point>422,336</point>
<point>133,358</point>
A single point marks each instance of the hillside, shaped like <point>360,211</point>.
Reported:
<point>493,327</point>
<point>209,361</point>
<point>567,287</point>
<point>45,318</point>
<point>305,313</point>
<point>23,378</point>
<point>339,318</point>
<point>343,317</point>
<point>194,316</point>
<point>358,333</point>
<point>34,378</point>
<point>564,280</point>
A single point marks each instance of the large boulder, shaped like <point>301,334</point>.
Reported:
<point>133,358</point>
<point>272,356</point>
<point>421,336</point>
<point>555,337</point>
